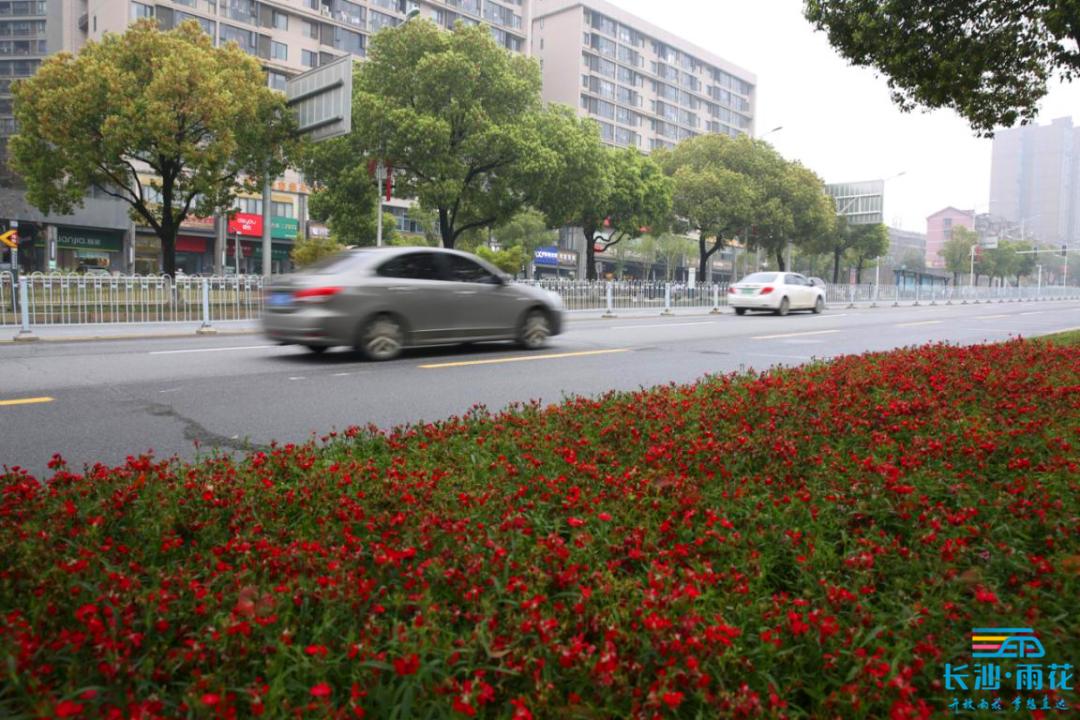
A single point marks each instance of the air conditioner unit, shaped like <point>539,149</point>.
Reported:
<point>325,11</point>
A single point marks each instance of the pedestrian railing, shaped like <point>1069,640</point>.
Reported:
<point>57,299</point>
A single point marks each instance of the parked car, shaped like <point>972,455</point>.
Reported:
<point>383,300</point>
<point>775,291</point>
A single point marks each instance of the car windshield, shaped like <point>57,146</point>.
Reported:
<point>759,278</point>
<point>342,262</point>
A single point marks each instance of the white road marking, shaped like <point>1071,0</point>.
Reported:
<point>170,390</point>
<point>992,317</point>
<point>662,325</point>
<point>798,334</point>
<point>1033,312</point>
<point>206,350</point>
<point>298,377</point>
<point>800,358</point>
<point>917,324</point>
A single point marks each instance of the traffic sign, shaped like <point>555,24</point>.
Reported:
<point>322,99</point>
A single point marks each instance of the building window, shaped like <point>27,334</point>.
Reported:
<point>310,29</point>
<point>279,51</point>
<point>277,80</point>
<point>280,20</point>
<point>309,58</point>
<point>351,13</point>
<point>33,7</point>
<point>251,206</point>
<point>349,41</point>
<point>244,38</point>
<point>282,209</point>
<point>380,20</point>
<point>242,10</point>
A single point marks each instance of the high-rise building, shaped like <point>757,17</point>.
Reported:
<point>647,87</point>
<point>1034,180</point>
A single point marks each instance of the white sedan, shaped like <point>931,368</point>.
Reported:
<point>775,291</point>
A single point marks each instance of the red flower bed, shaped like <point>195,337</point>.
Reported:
<point>810,542</point>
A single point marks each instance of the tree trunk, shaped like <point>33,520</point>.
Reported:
<point>168,247</point>
<point>590,252</point>
<point>445,231</point>
<point>836,265</point>
<point>780,259</point>
<point>858,271</point>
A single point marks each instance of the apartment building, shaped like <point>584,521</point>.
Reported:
<point>646,87</point>
<point>939,230</point>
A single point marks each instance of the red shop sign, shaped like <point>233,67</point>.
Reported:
<point>246,224</point>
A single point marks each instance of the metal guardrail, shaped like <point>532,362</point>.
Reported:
<point>57,299</point>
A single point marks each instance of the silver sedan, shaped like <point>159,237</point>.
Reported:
<point>381,301</point>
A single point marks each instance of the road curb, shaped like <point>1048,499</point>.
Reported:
<point>144,336</point>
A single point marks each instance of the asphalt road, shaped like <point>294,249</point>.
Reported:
<point>102,401</point>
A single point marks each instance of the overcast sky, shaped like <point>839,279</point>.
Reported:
<point>838,119</point>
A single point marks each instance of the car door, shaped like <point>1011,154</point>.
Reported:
<point>411,285</point>
<point>801,292</point>
<point>481,305</point>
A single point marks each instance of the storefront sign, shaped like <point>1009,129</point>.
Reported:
<point>191,244</point>
<point>278,251</point>
<point>69,238</point>
<point>197,223</point>
<point>317,230</point>
<point>246,224</point>
<point>548,255</point>
<point>568,258</point>
<point>284,227</point>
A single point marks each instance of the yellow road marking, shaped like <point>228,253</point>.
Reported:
<point>523,358</point>
<point>996,638</point>
<point>25,401</point>
<point>798,334</point>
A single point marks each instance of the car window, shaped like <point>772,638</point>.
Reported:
<point>412,266</point>
<point>761,277</point>
<point>462,269</point>
<point>339,263</point>
<point>795,280</point>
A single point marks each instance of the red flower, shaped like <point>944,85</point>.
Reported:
<point>673,699</point>
<point>407,665</point>
<point>986,596</point>
<point>211,699</point>
<point>68,708</point>
<point>321,690</point>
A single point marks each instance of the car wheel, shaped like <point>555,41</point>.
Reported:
<point>317,349</point>
<point>819,305</point>
<point>382,339</point>
<point>785,305</point>
<point>535,330</point>
<point>740,311</point>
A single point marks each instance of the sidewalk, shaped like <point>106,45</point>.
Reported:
<point>141,331</point>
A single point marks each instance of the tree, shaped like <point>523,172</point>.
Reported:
<point>200,120</point>
<point>308,250</point>
<point>455,114</point>
<point>912,259</point>
<point>710,197</point>
<point>527,230</point>
<point>345,195</point>
<point>957,251</point>
<point>509,260</point>
<point>646,249</point>
<point>612,194</point>
<point>989,60</point>
<point>792,206</point>
<point>672,249</point>
<point>861,241</point>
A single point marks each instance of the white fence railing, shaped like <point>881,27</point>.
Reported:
<point>56,299</point>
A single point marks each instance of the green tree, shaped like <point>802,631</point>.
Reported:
<point>861,242</point>
<point>869,242</point>
<point>612,194</point>
<point>646,249</point>
<point>989,60</point>
<point>792,205</point>
<point>199,119</point>
<point>455,114</point>
<point>912,259</point>
<point>957,251</point>
<point>509,260</point>
<point>713,197</point>
<point>308,250</point>
<point>673,250</point>
<point>527,230</point>
<point>345,194</point>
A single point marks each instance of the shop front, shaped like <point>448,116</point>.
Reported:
<point>83,250</point>
<point>248,229</point>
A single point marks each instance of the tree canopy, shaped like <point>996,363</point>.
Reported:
<point>455,114</point>
<point>164,121</point>
<point>989,60</point>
